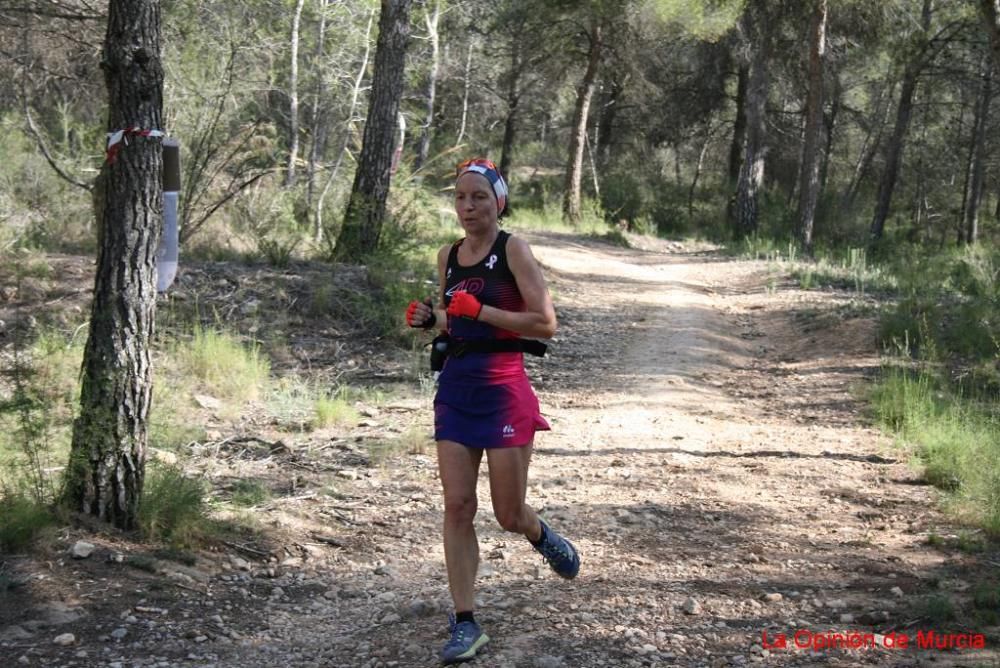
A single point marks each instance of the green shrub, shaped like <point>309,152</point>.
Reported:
<point>333,411</point>
<point>938,609</point>
<point>172,507</point>
<point>221,365</point>
<point>956,441</point>
<point>22,518</point>
<point>38,209</point>
<point>250,493</point>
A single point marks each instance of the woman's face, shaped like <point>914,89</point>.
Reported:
<point>475,203</point>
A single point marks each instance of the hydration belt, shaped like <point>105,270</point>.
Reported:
<point>458,348</point>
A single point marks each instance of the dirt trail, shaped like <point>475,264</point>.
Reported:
<point>709,458</point>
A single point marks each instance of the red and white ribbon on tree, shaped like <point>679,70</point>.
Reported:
<point>120,138</point>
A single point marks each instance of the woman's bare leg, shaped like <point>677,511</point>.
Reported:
<point>459,469</point>
<point>508,489</point>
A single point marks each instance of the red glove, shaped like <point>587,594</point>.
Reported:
<point>411,315</point>
<point>465,305</point>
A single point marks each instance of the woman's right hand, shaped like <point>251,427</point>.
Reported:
<point>421,314</point>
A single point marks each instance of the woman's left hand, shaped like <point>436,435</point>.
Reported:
<point>465,305</point>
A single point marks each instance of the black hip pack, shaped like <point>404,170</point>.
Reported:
<point>443,346</point>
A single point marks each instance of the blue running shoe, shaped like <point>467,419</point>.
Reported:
<point>467,638</point>
<point>558,552</point>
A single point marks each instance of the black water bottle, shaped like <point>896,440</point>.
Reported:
<point>439,351</point>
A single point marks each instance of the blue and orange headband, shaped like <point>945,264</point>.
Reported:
<point>492,174</point>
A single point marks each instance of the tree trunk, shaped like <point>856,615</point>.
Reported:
<point>894,155</point>
<point>809,173</point>
<point>319,117</point>
<point>830,122</point>
<point>431,20</point>
<point>869,148</point>
<point>293,98</point>
<point>106,468</point>
<point>606,122</point>
<point>510,122</point>
<point>751,178</point>
<point>991,15</point>
<point>348,122</point>
<point>977,157</point>
<point>593,165</point>
<point>698,168</point>
<point>739,125</point>
<point>366,208</point>
<point>578,132</point>
<point>466,86</point>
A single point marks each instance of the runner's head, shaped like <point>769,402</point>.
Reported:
<point>489,171</point>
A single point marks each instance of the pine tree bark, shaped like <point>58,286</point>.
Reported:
<point>977,158</point>
<point>830,123</point>
<point>107,459</point>
<point>319,118</point>
<point>513,103</point>
<point>739,125</point>
<point>873,140</point>
<point>431,21</point>
<point>606,121</point>
<point>578,132</point>
<point>466,87</point>
<point>990,10</point>
<point>293,98</point>
<point>809,183</point>
<point>751,177</point>
<point>365,212</point>
<point>894,151</point>
<point>348,128</point>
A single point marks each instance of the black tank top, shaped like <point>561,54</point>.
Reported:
<point>491,281</point>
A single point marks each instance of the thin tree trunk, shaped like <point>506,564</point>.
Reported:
<point>606,123</point>
<point>431,20</point>
<point>894,157</point>
<point>293,98</point>
<point>869,148</point>
<point>365,213</point>
<point>676,150</point>
<point>990,10</point>
<point>593,166</point>
<point>348,122</point>
<point>809,182</point>
<point>466,86</point>
<point>319,117</point>
<point>751,179</point>
<point>977,157</point>
<point>830,121</point>
<point>698,168</point>
<point>574,165</point>
<point>108,453</point>
<point>736,147</point>
<point>510,122</point>
<point>919,208</point>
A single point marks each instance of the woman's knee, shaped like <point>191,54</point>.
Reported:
<point>510,518</point>
<point>460,509</point>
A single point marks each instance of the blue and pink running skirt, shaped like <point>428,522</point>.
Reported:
<point>498,415</point>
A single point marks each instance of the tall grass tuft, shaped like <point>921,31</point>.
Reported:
<point>37,404</point>
<point>956,441</point>
<point>222,366</point>
<point>172,506</point>
<point>22,518</point>
<point>333,410</point>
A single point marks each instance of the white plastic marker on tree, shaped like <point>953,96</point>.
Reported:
<point>167,253</point>
<point>398,153</point>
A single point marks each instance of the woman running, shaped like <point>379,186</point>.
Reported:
<point>492,293</point>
